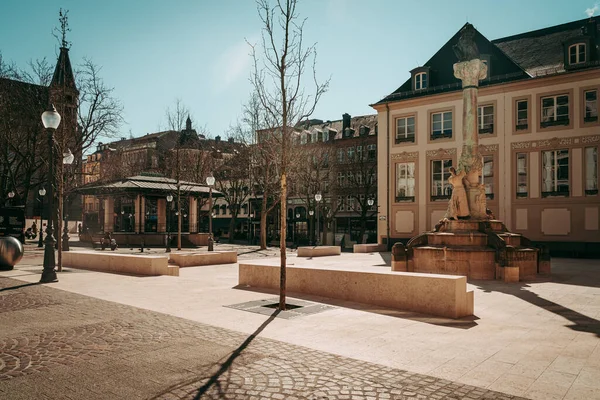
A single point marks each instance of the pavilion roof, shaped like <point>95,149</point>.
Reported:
<point>158,185</point>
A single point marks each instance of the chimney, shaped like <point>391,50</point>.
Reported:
<point>217,139</point>
<point>345,121</point>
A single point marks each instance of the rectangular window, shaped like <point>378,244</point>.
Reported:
<point>405,182</point>
<point>325,186</point>
<point>349,203</point>
<point>372,152</point>
<point>405,130</point>
<point>485,119</point>
<point>350,153</point>
<point>522,115</point>
<point>341,179</point>
<point>359,152</point>
<point>350,178</point>
<point>340,155</point>
<point>441,125</point>
<point>591,105</point>
<point>372,178</point>
<point>591,171</point>
<point>359,178</point>
<point>555,173</point>
<point>340,203</point>
<point>555,110</point>
<point>303,138</point>
<point>361,202</point>
<point>440,188</point>
<point>522,183</point>
<point>487,178</point>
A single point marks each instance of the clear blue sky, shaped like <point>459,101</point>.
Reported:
<point>153,52</point>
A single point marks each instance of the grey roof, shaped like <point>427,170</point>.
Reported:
<point>518,57</point>
<point>147,184</point>
<point>541,52</point>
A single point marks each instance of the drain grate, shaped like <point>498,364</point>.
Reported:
<point>287,306</point>
<point>295,308</point>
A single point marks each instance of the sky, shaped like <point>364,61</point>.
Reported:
<point>153,52</point>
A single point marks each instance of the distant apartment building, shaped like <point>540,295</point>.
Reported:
<point>539,135</point>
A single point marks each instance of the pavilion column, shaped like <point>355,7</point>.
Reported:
<point>193,214</point>
<point>161,215</point>
<point>139,214</point>
<point>109,211</point>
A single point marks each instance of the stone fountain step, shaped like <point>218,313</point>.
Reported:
<point>475,262</point>
<point>511,239</point>
<point>458,238</point>
<point>472,225</point>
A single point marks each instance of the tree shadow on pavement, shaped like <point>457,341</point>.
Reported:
<point>580,322</point>
<point>19,286</point>
<point>214,380</point>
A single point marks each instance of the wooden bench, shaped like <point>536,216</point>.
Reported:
<point>319,251</point>
<point>441,295</point>
<point>194,259</point>
<point>152,265</point>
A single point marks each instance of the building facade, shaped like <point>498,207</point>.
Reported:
<point>539,136</point>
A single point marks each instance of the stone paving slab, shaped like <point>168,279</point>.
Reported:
<point>537,339</point>
<point>72,346</point>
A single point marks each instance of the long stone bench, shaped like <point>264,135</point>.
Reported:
<point>319,251</point>
<point>152,265</point>
<point>192,259</point>
<point>441,295</point>
<point>369,248</point>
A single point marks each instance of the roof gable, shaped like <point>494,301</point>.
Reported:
<point>442,73</point>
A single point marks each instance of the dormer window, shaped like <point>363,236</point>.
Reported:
<point>421,81</point>
<point>577,54</point>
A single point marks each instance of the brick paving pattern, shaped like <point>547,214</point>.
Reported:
<point>61,335</point>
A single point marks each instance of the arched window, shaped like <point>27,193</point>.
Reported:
<point>577,53</point>
<point>421,81</point>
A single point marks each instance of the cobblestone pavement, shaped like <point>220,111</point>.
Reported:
<point>56,344</point>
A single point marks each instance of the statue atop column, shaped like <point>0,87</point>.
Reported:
<point>470,70</point>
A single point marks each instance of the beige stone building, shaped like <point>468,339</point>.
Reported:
<point>538,132</point>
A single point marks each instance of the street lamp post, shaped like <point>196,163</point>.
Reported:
<point>51,120</point>
<point>169,200</point>
<point>210,181</point>
<point>318,198</point>
<point>42,193</point>
<point>68,159</point>
<point>312,227</point>
<point>370,202</point>
<point>11,194</point>
<point>296,228</point>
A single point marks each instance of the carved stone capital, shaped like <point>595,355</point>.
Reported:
<point>470,72</point>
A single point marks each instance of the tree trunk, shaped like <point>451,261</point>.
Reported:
<point>282,245</point>
<point>232,228</point>
<point>263,225</point>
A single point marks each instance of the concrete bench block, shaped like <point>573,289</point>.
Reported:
<point>152,265</point>
<point>319,251</point>
<point>189,259</point>
<point>441,295</point>
<point>369,248</point>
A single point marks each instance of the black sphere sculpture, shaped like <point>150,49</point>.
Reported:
<point>11,252</point>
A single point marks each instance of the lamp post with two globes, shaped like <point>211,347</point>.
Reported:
<point>51,120</point>
<point>318,198</point>
<point>68,159</point>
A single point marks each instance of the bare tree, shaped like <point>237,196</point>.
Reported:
<point>40,72</point>
<point>280,65</point>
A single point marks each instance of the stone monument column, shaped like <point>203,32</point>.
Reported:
<point>470,70</point>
